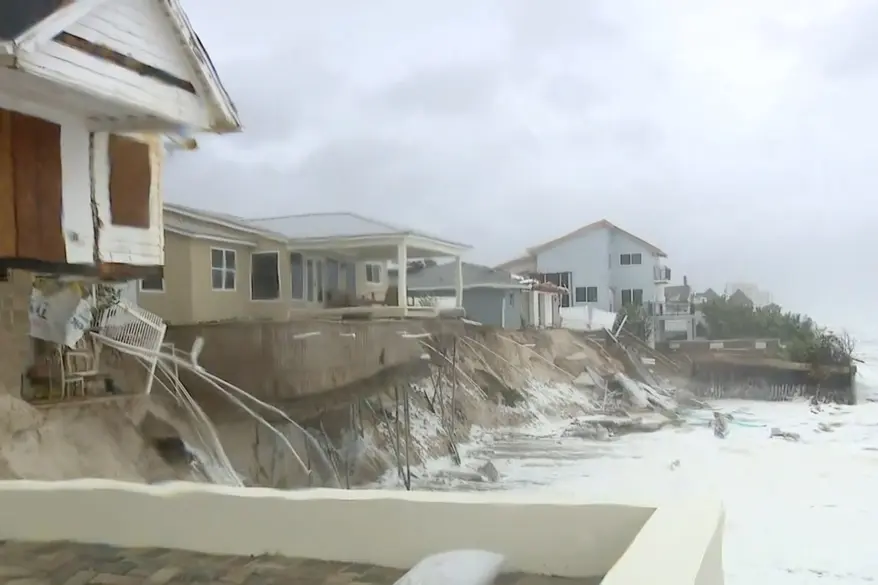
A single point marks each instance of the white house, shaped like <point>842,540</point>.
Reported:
<point>601,265</point>
<point>89,91</point>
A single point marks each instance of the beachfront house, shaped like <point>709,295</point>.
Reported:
<point>491,296</point>
<point>90,90</point>
<point>600,265</point>
<point>221,267</point>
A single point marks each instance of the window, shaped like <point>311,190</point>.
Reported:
<point>297,275</point>
<point>637,296</point>
<point>310,279</point>
<point>152,284</point>
<point>373,273</point>
<point>632,297</point>
<point>629,259</point>
<point>264,276</point>
<point>586,294</point>
<point>222,269</point>
<point>562,279</point>
<point>321,279</point>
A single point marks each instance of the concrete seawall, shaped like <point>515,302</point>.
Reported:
<point>676,543</point>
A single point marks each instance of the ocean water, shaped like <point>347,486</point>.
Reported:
<point>798,513</point>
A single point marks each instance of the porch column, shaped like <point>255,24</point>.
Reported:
<point>458,280</point>
<point>402,261</point>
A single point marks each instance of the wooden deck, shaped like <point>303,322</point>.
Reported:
<point>64,563</point>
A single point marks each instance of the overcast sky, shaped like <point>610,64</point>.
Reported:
<point>738,136</point>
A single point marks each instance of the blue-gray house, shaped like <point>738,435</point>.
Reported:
<point>491,296</point>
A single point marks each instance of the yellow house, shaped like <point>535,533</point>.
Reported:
<point>220,267</point>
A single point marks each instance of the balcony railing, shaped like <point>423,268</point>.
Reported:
<point>662,274</point>
<point>670,309</point>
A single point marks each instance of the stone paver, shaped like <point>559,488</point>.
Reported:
<point>64,563</point>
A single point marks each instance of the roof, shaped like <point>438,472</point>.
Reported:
<point>514,261</point>
<point>303,228</point>
<point>26,24</point>
<point>678,293</point>
<point>338,225</point>
<point>194,220</point>
<point>187,226</point>
<point>444,277</point>
<point>17,16</point>
<point>739,298</point>
<point>602,224</point>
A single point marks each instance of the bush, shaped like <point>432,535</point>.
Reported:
<point>803,339</point>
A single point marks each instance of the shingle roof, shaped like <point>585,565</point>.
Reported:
<point>17,16</point>
<point>443,277</point>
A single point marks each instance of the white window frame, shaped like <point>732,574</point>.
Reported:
<point>304,276</point>
<point>279,284</point>
<point>224,268</point>
<point>150,290</point>
<point>381,271</point>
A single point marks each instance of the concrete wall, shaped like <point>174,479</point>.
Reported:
<point>675,544</point>
<point>281,361</point>
<point>15,342</point>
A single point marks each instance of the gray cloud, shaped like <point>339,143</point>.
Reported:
<point>739,137</point>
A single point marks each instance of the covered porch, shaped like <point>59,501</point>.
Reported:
<point>396,248</point>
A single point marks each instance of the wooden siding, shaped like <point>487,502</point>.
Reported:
<point>32,151</point>
<point>8,231</point>
<point>130,182</point>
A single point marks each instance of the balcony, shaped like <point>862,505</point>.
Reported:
<point>671,310</point>
<point>662,274</point>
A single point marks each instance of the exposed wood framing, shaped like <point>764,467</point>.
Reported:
<point>124,61</point>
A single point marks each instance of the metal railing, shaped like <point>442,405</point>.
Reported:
<point>662,274</point>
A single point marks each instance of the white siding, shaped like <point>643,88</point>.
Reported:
<point>128,26</point>
<point>76,213</point>
<point>122,244</point>
<point>588,258</point>
<point>635,276</point>
<point>138,28</point>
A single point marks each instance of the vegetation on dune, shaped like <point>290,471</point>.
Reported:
<point>804,341</point>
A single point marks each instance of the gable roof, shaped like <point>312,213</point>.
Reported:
<point>740,298</point>
<point>601,224</point>
<point>182,216</point>
<point>199,230</point>
<point>444,277</point>
<point>677,293</point>
<point>34,22</point>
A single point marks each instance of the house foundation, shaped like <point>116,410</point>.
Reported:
<point>15,343</point>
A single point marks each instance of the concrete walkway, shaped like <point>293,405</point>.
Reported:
<point>62,563</point>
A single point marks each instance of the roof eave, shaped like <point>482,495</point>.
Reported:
<point>171,208</point>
